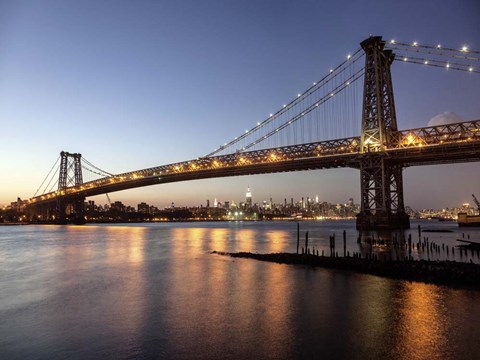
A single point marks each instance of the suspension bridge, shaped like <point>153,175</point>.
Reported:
<point>332,124</point>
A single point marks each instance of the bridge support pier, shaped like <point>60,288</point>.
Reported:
<point>367,221</point>
<point>72,211</point>
<point>78,217</point>
<point>382,205</point>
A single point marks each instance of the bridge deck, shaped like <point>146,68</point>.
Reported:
<point>441,144</point>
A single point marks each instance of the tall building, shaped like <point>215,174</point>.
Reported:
<point>248,197</point>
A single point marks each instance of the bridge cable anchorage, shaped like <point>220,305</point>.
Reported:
<point>323,82</point>
<point>45,179</point>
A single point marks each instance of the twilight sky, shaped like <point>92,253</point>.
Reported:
<point>136,84</point>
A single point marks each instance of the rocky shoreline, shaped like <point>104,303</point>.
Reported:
<point>449,273</point>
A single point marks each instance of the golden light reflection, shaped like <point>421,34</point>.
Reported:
<point>219,239</point>
<point>134,252</point>
<point>245,240</point>
<point>276,241</point>
<point>278,301</point>
<point>422,328</point>
<point>188,240</point>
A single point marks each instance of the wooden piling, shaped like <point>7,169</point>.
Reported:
<point>306,241</point>
<point>298,235</point>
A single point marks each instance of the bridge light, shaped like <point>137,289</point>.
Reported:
<point>464,48</point>
<point>439,46</point>
<point>246,131</point>
<point>470,69</point>
<point>405,59</point>
<point>258,123</point>
<point>392,41</point>
<point>348,82</point>
<point>426,62</point>
<point>331,94</point>
<point>314,83</point>
<point>349,56</point>
<point>271,115</point>
<point>299,95</point>
<point>331,70</point>
<point>284,105</point>
<point>447,66</point>
<point>316,104</point>
<point>415,43</point>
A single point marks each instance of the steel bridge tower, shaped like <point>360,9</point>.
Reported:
<point>382,205</point>
<point>70,163</point>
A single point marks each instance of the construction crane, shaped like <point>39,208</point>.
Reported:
<point>109,201</point>
<point>476,202</point>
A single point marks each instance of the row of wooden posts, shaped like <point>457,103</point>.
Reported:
<point>431,247</point>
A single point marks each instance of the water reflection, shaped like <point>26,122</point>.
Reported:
<point>156,291</point>
<point>276,241</point>
<point>422,322</point>
<point>99,280</point>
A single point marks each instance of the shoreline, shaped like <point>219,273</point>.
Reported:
<point>449,273</point>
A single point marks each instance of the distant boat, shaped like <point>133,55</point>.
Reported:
<point>468,220</point>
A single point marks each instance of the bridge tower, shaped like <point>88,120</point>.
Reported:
<point>382,205</point>
<point>70,175</point>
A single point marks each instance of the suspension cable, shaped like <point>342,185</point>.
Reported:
<point>416,45</point>
<point>36,192</point>
<point>300,115</point>
<point>103,172</point>
<point>351,59</point>
<point>94,172</point>
<point>439,64</point>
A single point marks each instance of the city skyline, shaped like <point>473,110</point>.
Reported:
<point>117,85</point>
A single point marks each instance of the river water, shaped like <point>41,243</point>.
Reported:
<point>155,291</point>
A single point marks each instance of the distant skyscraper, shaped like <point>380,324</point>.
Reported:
<point>316,199</point>
<point>215,203</point>
<point>248,196</point>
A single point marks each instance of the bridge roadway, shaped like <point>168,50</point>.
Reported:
<point>423,146</point>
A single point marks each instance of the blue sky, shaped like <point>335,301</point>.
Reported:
<point>135,84</point>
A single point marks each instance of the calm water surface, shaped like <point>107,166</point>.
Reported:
<point>155,291</point>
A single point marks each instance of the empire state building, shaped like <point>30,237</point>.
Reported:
<point>248,196</point>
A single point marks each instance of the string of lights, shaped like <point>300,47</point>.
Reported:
<point>439,64</point>
<point>439,47</point>
<point>332,75</point>
<point>299,116</point>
